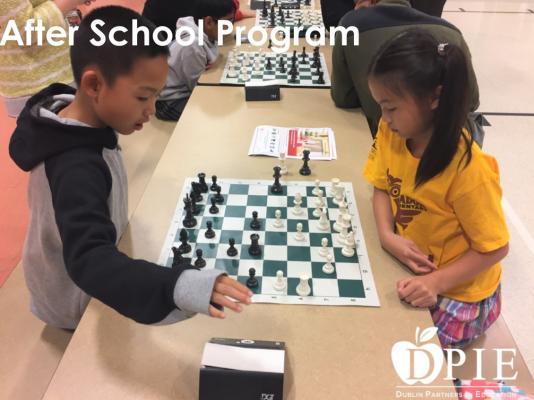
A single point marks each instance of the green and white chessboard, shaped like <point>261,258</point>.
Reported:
<point>352,282</point>
<point>253,64</point>
<point>305,18</point>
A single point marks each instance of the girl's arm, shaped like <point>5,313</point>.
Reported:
<point>422,291</point>
<point>401,248</point>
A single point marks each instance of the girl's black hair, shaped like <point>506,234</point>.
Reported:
<point>420,64</point>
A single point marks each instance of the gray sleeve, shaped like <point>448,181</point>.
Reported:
<point>194,62</point>
<point>193,289</point>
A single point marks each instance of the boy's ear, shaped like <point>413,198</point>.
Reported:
<point>91,82</point>
<point>434,101</point>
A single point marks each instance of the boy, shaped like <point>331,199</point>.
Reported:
<point>186,63</point>
<point>78,190</point>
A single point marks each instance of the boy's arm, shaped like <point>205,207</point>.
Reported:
<point>80,183</point>
<point>193,64</point>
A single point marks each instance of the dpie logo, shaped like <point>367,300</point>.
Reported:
<point>418,362</point>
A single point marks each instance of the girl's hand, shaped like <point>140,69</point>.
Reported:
<point>407,252</point>
<point>419,291</point>
<point>227,287</point>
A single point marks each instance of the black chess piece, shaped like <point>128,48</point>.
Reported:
<point>219,198</point>
<point>282,65</point>
<point>184,247</point>
<point>196,191</point>
<point>307,2</point>
<point>252,281</point>
<point>202,182</point>
<point>213,209</point>
<point>272,22</point>
<point>210,233</point>
<point>276,187</point>
<point>305,170</point>
<point>282,18</point>
<point>299,22</point>
<point>294,57</point>
<point>232,251</point>
<point>189,220</point>
<point>177,258</point>
<point>276,3</point>
<point>293,76</point>
<point>269,65</point>
<point>270,44</point>
<point>214,183</point>
<point>264,12</point>
<point>194,208</point>
<point>280,11</point>
<point>200,262</point>
<point>321,78</point>
<point>255,224</point>
<point>288,15</point>
<point>254,249</point>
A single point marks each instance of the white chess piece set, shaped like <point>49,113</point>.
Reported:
<point>240,69</point>
<point>342,226</point>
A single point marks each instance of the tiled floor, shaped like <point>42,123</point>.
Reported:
<point>501,45</point>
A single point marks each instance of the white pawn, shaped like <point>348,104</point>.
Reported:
<point>328,268</point>
<point>283,166</point>
<point>278,223</point>
<point>319,204</point>
<point>347,222</point>
<point>339,195</point>
<point>299,235</point>
<point>335,186</point>
<point>280,283</point>
<point>323,251</point>
<point>316,189</point>
<point>350,244</point>
<point>324,224</point>
<point>303,288</point>
<point>297,201</point>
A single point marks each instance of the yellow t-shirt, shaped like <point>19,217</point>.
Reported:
<point>452,212</point>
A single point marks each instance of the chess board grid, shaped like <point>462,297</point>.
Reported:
<point>288,2</point>
<point>351,284</point>
<point>293,19</point>
<point>306,77</point>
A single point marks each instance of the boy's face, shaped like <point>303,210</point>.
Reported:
<point>211,26</point>
<point>130,102</point>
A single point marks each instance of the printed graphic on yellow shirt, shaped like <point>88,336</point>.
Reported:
<point>407,208</point>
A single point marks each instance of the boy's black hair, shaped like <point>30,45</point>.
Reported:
<point>112,60</point>
<point>213,8</point>
<point>413,62</point>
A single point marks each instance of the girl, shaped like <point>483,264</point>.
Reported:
<point>437,195</point>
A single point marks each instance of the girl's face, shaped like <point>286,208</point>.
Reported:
<point>408,117</point>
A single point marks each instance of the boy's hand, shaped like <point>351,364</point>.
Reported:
<point>419,291</point>
<point>225,286</point>
<point>409,254</point>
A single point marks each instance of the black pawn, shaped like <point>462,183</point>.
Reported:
<point>269,65</point>
<point>254,249</point>
<point>185,247</point>
<point>293,76</point>
<point>214,183</point>
<point>276,187</point>
<point>213,209</point>
<point>321,78</point>
<point>200,262</point>
<point>294,56</point>
<point>288,15</point>
<point>255,223</point>
<point>305,170</point>
<point>232,251</point>
<point>219,198</point>
<point>282,65</point>
<point>252,282</point>
<point>202,182</point>
<point>272,23</point>
<point>210,233</point>
<point>177,258</point>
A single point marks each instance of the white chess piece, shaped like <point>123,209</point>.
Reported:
<point>350,244</point>
<point>232,73</point>
<point>303,288</point>
<point>340,195</point>
<point>347,222</point>
<point>297,201</point>
<point>334,187</point>
<point>323,251</point>
<point>283,166</point>
<point>299,235</point>
<point>328,268</point>
<point>278,223</point>
<point>324,224</point>
<point>280,283</point>
<point>316,189</point>
<point>319,204</point>
<point>338,225</point>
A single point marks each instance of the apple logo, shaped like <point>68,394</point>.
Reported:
<point>417,362</point>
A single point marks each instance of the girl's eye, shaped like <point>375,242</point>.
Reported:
<point>142,98</point>
<point>390,109</point>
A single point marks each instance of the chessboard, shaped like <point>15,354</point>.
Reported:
<point>307,69</point>
<point>289,18</point>
<point>293,248</point>
<point>291,4</point>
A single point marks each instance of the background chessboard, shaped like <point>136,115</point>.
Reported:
<point>258,4</point>
<point>308,18</point>
<point>306,77</point>
<point>351,284</point>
